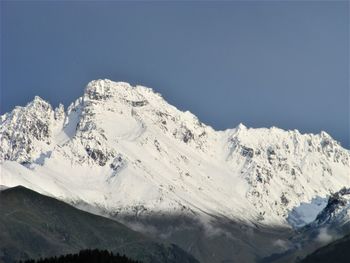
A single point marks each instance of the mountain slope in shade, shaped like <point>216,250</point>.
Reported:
<point>337,251</point>
<point>33,225</point>
<point>126,150</point>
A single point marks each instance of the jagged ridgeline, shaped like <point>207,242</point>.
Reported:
<point>125,152</point>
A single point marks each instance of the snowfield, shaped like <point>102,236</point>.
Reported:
<point>125,150</point>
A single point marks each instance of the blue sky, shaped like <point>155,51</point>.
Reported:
<point>267,63</point>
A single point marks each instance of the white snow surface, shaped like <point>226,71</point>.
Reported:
<point>126,150</point>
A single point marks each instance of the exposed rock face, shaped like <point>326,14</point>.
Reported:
<point>26,130</point>
<point>337,207</point>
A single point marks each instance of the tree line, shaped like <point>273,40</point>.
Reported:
<point>85,256</point>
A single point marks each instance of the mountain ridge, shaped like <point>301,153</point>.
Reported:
<point>112,123</point>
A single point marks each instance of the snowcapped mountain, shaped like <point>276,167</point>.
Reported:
<point>125,150</point>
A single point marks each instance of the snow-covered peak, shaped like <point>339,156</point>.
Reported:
<point>59,112</point>
<point>39,101</point>
<point>104,89</point>
<point>240,127</point>
<point>274,140</point>
<point>26,131</point>
<point>125,148</point>
<point>273,135</point>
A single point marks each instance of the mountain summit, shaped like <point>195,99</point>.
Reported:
<point>125,150</point>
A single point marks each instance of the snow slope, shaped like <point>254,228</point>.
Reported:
<point>126,150</point>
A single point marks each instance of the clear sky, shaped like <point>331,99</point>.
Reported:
<point>270,63</point>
